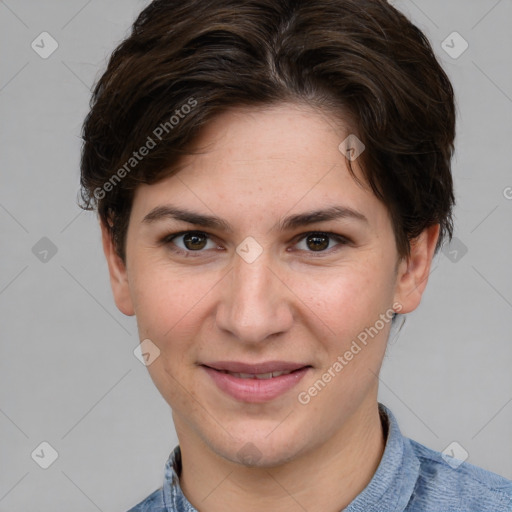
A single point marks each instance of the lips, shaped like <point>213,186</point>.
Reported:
<point>255,383</point>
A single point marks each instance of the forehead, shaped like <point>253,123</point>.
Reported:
<point>264,161</point>
<point>269,139</point>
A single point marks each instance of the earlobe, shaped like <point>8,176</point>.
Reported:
<point>413,272</point>
<point>118,275</point>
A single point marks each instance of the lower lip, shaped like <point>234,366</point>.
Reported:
<point>255,390</point>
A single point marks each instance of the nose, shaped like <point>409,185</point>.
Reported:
<point>256,302</point>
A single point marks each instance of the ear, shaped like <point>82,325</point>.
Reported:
<point>413,271</point>
<point>118,275</point>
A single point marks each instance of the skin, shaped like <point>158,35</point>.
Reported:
<point>292,303</point>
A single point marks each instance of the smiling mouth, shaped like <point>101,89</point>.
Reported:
<point>255,383</point>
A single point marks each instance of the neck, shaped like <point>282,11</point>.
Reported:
<point>327,477</point>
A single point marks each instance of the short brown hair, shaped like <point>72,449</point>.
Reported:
<point>362,58</point>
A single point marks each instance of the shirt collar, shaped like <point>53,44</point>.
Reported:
<point>393,483</point>
<point>390,488</point>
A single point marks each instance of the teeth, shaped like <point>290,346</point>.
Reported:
<point>277,374</point>
<point>263,376</point>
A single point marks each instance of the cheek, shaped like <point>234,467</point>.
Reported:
<point>345,299</point>
<point>167,308</point>
<point>171,308</point>
<point>163,299</point>
<point>343,308</point>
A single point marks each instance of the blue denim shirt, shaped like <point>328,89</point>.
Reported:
<point>410,478</point>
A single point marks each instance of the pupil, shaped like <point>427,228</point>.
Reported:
<point>318,244</point>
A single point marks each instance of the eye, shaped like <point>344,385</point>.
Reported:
<point>319,241</point>
<point>193,241</point>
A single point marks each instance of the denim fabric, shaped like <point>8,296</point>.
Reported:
<point>410,478</point>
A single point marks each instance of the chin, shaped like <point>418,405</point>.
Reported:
<point>259,451</point>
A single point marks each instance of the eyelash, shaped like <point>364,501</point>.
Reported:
<point>167,240</point>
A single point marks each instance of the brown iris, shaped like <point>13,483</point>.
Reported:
<point>319,242</point>
<point>194,241</point>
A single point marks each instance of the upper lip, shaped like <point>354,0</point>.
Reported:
<point>264,367</point>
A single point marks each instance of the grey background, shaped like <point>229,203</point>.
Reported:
<point>68,374</point>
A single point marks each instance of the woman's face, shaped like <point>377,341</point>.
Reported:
<point>267,288</point>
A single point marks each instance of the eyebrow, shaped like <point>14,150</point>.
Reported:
<point>291,222</point>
